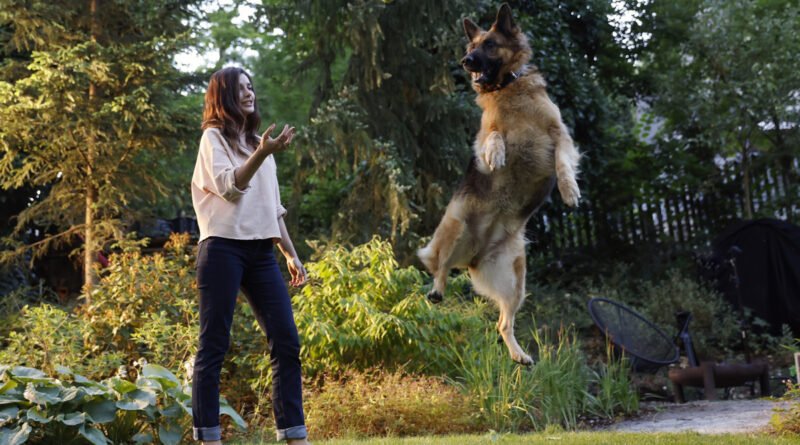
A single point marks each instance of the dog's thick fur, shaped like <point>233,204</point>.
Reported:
<point>521,151</point>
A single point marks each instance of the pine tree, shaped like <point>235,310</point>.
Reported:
<point>92,118</point>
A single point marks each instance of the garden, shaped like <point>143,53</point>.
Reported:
<point>686,118</point>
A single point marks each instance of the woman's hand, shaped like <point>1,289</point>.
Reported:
<point>297,271</point>
<point>278,144</point>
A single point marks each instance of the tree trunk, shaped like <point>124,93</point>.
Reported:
<point>748,198</point>
<point>90,250</point>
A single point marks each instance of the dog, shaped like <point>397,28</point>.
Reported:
<point>523,149</point>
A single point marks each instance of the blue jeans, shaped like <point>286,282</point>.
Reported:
<point>223,267</point>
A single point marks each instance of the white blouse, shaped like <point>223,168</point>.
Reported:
<point>222,209</point>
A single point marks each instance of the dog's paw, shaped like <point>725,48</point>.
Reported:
<point>570,193</point>
<point>522,358</point>
<point>494,154</point>
<point>435,297</point>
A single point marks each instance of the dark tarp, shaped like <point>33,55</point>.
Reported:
<point>769,270</point>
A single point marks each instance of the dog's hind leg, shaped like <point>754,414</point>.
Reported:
<point>437,255</point>
<point>502,278</point>
<point>566,160</point>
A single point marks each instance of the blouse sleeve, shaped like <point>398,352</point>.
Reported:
<point>218,168</point>
<point>280,210</point>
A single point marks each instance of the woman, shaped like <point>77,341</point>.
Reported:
<point>236,198</point>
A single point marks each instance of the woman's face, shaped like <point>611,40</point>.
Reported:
<point>247,97</point>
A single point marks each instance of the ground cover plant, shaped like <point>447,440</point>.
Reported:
<point>155,408</point>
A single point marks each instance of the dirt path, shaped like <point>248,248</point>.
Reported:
<point>729,416</point>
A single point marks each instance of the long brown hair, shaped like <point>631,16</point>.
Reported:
<point>221,109</point>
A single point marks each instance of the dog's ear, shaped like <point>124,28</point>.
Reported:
<point>471,29</point>
<point>504,23</point>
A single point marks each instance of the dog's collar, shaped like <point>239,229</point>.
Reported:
<point>507,80</point>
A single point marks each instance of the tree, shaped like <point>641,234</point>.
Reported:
<point>723,78</point>
<point>392,114</point>
<point>94,118</point>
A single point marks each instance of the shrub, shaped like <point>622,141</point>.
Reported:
<point>361,310</point>
<point>714,326</point>
<point>787,421</point>
<point>44,410</point>
<point>381,403</point>
<point>146,305</point>
<point>46,336</point>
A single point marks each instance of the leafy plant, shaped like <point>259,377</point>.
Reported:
<point>45,336</point>
<point>786,421</point>
<point>360,310</point>
<point>45,410</point>
<point>146,305</point>
<point>714,325</point>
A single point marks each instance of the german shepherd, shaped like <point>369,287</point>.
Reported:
<point>521,151</point>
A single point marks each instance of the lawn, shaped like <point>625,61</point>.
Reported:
<point>584,438</point>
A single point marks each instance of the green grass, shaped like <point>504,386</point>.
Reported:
<point>583,438</point>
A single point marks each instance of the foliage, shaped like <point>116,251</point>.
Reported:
<point>89,122</point>
<point>145,305</point>
<point>786,422</point>
<point>361,310</point>
<point>46,336</point>
<point>614,393</point>
<point>392,118</point>
<point>714,324</point>
<point>388,125</point>
<point>554,392</point>
<point>718,70</point>
<point>46,410</point>
<point>382,403</point>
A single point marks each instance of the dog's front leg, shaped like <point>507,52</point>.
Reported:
<point>492,153</point>
<point>566,160</point>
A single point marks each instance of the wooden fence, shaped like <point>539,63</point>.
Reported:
<point>676,219</point>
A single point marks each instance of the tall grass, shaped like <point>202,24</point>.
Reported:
<point>614,393</point>
<point>555,391</point>
<point>502,390</point>
<point>562,378</point>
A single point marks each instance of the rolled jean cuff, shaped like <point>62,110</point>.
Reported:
<point>207,434</point>
<point>295,432</point>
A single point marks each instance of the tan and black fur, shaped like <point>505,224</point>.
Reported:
<point>521,151</point>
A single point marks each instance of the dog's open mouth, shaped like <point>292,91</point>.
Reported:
<point>481,78</point>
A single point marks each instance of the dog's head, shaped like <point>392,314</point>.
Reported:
<point>493,54</point>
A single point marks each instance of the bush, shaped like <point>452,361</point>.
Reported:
<point>786,422</point>
<point>381,403</point>
<point>360,310</point>
<point>46,336</point>
<point>146,305</point>
<point>714,326</point>
<point>44,410</point>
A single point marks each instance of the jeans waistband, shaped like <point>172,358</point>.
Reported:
<point>243,243</point>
